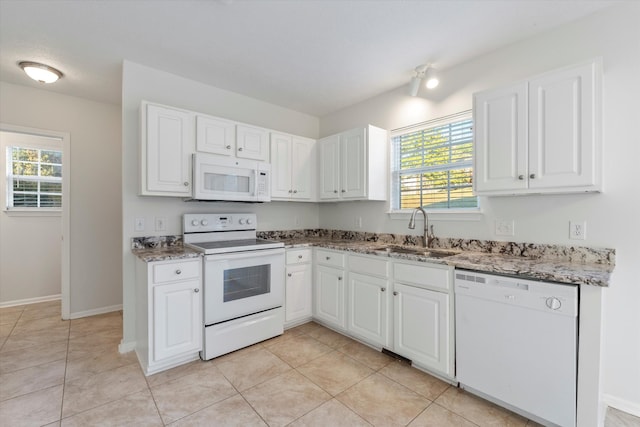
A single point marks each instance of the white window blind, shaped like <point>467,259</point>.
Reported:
<point>432,165</point>
<point>34,178</point>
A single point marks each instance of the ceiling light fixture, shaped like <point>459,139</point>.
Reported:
<point>40,72</point>
<point>423,72</point>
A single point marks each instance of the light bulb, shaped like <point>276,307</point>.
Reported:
<point>40,72</point>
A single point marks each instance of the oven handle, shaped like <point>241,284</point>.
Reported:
<point>244,254</point>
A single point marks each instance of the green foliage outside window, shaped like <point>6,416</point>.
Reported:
<point>433,167</point>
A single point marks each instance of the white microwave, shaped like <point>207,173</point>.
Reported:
<point>230,179</point>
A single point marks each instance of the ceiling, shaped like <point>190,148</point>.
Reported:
<point>313,56</point>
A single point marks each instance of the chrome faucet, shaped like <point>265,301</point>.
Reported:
<point>426,237</point>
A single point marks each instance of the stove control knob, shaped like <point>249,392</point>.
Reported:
<point>204,222</point>
<point>553,303</point>
<point>195,222</point>
<point>249,221</point>
<point>241,221</point>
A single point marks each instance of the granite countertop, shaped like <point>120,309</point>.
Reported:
<point>554,263</point>
<point>560,269</point>
<point>165,253</point>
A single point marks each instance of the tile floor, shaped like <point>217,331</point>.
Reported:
<point>69,373</point>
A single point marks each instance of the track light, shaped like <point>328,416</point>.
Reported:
<point>40,72</point>
<point>426,73</point>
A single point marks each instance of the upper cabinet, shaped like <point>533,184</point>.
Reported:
<point>292,167</point>
<point>540,136</point>
<point>228,138</point>
<point>353,165</point>
<point>165,151</point>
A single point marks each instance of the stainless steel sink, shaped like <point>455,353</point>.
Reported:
<point>428,252</point>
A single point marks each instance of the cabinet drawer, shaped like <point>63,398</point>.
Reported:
<point>370,266</point>
<point>423,276</point>
<point>298,256</point>
<point>330,258</point>
<point>174,271</point>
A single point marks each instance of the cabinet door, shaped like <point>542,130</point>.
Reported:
<point>177,319</point>
<point>329,167</point>
<point>329,296</point>
<point>302,162</point>
<point>216,136</point>
<point>354,164</point>
<point>167,152</point>
<point>500,154</point>
<point>421,326</point>
<point>298,292</point>
<point>368,313</point>
<point>252,143</point>
<point>563,128</point>
<point>281,186</point>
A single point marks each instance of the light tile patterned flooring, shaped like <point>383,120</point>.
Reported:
<point>69,373</point>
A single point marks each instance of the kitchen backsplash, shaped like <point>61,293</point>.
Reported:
<point>529,250</point>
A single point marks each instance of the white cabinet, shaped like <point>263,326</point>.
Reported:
<point>167,142</point>
<point>292,167</point>
<point>421,326</point>
<point>329,289</point>
<point>215,135</point>
<point>228,138</point>
<point>298,286</point>
<point>169,323</point>
<point>252,143</point>
<point>423,315</point>
<point>540,136</point>
<point>353,165</point>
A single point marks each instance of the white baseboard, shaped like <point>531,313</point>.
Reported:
<point>95,311</point>
<point>126,347</point>
<point>632,408</point>
<point>30,300</point>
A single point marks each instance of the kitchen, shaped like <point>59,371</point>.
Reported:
<point>542,219</point>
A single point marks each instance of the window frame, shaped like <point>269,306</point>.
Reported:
<point>456,214</point>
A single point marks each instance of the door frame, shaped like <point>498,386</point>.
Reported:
<point>65,273</point>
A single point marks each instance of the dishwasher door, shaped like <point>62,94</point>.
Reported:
<point>516,344</point>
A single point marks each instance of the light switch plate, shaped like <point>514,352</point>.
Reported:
<point>139,224</point>
<point>161,223</point>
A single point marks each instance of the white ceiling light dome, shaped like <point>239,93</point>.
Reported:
<point>40,72</point>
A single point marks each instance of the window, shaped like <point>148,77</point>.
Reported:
<point>34,178</point>
<point>432,165</point>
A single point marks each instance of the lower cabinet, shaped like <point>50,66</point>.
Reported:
<point>403,306</point>
<point>329,301</point>
<point>298,287</point>
<point>421,326</point>
<point>169,313</point>
<point>369,308</point>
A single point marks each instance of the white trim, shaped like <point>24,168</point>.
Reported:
<point>126,347</point>
<point>66,203</point>
<point>444,215</point>
<point>96,311</point>
<point>623,405</point>
<point>33,212</point>
<point>30,301</point>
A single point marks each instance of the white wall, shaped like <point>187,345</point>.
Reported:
<point>612,216</point>
<point>144,83</point>
<point>94,128</point>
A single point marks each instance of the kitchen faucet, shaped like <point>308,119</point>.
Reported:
<point>426,238</point>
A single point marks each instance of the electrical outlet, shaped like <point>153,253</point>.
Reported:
<point>161,223</point>
<point>296,221</point>
<point>139,224</point>
<point>577,230</point>
<point>357,222</point>
<point>504,227</point>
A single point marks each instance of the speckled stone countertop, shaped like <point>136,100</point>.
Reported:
<point>554,263</point>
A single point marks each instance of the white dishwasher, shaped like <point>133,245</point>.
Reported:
<point>516,344</point>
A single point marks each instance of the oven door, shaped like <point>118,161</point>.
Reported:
<point>242,283</point>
